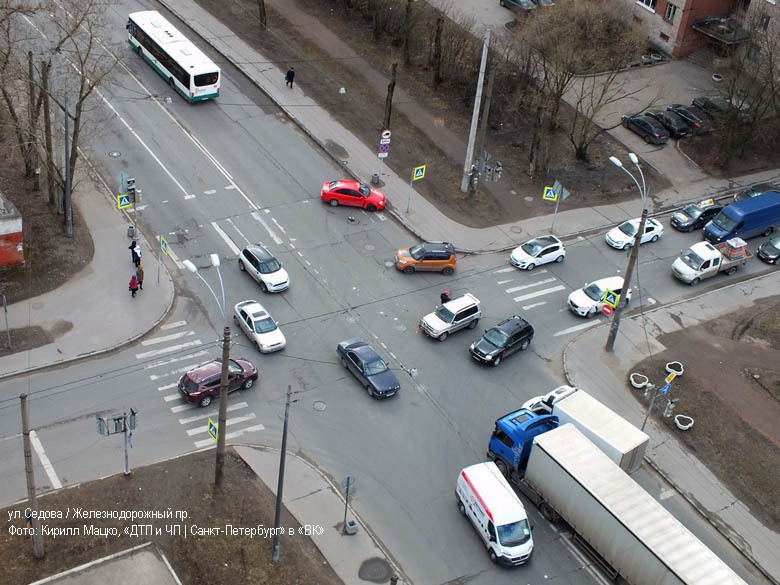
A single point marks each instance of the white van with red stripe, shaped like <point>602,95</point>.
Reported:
<point>487,499</point>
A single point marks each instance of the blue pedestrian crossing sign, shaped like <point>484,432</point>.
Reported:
<point>549,194</point>
<point>611,298</point>
<point>665,389</point>
<point>213,430</point>
<point>124,201</point>
<point>419,173</point>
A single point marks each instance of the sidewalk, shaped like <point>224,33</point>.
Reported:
<point>308,495</point>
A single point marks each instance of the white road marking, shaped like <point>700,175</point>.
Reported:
<point>44,459</point>
<point>576,328</point>
<point>181,407</point>
<point>525,286</point>
<point>173,360</point>
<point>500,270</point>
<point>539,293</point>
<point>171,397</point>
<point>179,371</point>
<point>209,441</point>
<point>167,387</point>
<point>503,282</point>
<point>235,249</point>
<point>173,325</point>
<point>262,222</point>
<point>166,338</point>
<point>168,349</point>
<point>230,421</point>
<point>209,191</point>
<point>526,307</point>
<point>281,229</point>
<point>212,413</point>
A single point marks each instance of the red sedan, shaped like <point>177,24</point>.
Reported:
<point>352,193</point>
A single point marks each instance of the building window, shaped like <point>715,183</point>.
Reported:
<point>648,4</point>
<point>671,11</point>
<point>763,23</point>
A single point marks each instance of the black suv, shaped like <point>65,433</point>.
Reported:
<point>511,335</point>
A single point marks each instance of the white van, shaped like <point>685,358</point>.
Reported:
<point>498,515</point>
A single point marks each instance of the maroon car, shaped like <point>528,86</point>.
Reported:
<point>201,385</point>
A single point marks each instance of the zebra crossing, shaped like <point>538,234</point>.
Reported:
<point>165,359</point>
<point>543,286</point>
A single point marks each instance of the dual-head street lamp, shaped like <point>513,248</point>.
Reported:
<point>223,385</point>
<point>623,300</point>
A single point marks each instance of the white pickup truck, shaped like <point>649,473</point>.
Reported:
<point>703,260</point>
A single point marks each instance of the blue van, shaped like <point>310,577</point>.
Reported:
<point>757,216</point>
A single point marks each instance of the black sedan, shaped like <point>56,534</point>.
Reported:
<point>368,367</point>
<point>694,215</point>
<point>693,116</point>
<point>651,131</point>
<point>676,126</point>
<point>769,251</point>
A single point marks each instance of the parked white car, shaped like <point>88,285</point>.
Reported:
<point>622,236</point>
<point>590,299</point>
<point>538,251</point>
<point>259,326</point>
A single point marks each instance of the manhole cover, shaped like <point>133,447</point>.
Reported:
<point>528,198</point>
<point>389,263</point>
<point>516,229</point>
<point>370,247</point>
<point>320,406</point>
<point>375,569</point>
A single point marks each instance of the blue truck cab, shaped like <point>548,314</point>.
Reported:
<point>748,218</point>
<point>512,439</point>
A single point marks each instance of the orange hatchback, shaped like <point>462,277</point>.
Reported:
<point>428,256</point>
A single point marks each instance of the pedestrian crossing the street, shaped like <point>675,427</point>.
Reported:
<point>166,358</point>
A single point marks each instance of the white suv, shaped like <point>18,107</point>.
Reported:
<point>452,316</point>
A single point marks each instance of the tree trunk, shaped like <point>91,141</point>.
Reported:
<point>533,158</point>
<point>389,98</point>
<point>50,169</point>
<point>437,53</point>
<point>407,32</point>
<point>261,13</point>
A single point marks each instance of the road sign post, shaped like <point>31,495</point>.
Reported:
<point>417,174</point>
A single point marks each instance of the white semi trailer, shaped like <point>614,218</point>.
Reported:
<point>631,533</point>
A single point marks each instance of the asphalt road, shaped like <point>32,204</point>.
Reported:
<point>218,175</point>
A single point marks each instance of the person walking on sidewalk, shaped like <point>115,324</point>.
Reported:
<point>288,79</point>
<point>137,251</point>
<point>133,247</point>
<point>139,274</point>
<point>133,287</point>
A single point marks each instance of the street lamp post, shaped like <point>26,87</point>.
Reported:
<point>623,300</point>
<point>223,385</point>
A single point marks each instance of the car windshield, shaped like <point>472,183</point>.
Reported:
<point>514,534</point>
<point>376,367</point>
<point>627,228</point>
<point>693,211</point>
<point>445,314</point>
<point>531,248</point>
<point>496,337</point>
<point>773,245</point>
<point>235,367</point>
<point>594,291</point>
<point>416,252</point>
<point>692,259</point>
<point>364,189</point>
<point>269,266</point>
<point>724,222</point>
<point>264,325</point>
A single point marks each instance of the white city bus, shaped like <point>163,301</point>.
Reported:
<point>185,67</point>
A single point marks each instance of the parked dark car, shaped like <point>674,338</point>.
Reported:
<point>651,131</point>
<point>522,5</point>
<point>716,106</point>
<point>694,215</point>
<point>769,251</point>
<point>201,385</point>
<point>693,116</point>
<point>677,127</point>
<point>511,335</point>
<point>755,190</point>
<point>368,367</point>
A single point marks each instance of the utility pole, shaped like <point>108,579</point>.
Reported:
<point>223,400</point>
<point>464,184</point>
<point>31,495</point>
<point>280,485</point>
<point>483,122</point>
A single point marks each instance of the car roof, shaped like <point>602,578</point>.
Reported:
<point>512,323</point>
<point>365,352</point>
<point>260,251</point>
<point>205,371</point>
<point>253,308</point>
<point>459,303</point>
<point>444,246</point>
<point>609,282</point>
<point>546,240</point>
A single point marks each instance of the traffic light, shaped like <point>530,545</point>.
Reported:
<point>497,170</point>
<point>131,189</point>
